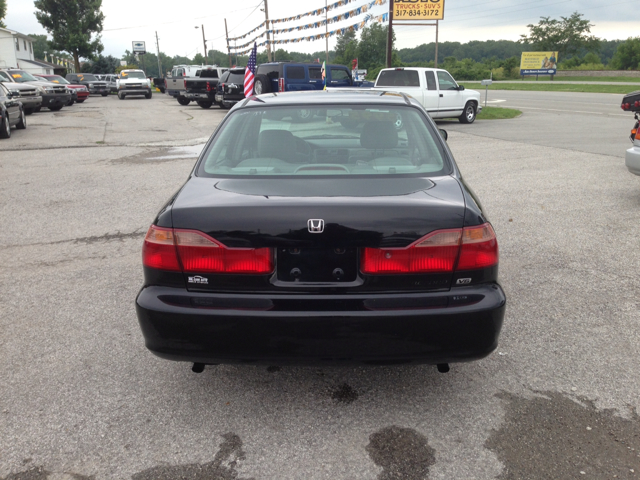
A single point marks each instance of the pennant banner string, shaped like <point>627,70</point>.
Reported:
<point>312,38</point>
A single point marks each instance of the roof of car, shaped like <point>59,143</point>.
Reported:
<point>345,96</point>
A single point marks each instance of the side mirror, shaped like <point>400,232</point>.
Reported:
<point>443,134</point>
<point>460,88</point>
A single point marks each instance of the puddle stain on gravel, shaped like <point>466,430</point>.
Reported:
<point>403,454</point>
<point>556,437</point>
<point>344,394</point>
<point>39,473</point>
<point>223,466</point>
<point>166,154</point>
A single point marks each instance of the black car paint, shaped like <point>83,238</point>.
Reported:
<point>9,107</point>
<point>374,319</point>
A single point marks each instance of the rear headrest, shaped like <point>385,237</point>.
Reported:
<point>276,144</point>
<point>379,135</point>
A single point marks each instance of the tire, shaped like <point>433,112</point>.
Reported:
<point>225,105</point>
<point>469,114</point>
<point>69,103</point>
<point>5,128</point>
<point>80,101</point>
<point>261,85</point>
<point>304,115</point>
<point>162,89</point>
<point>38,109</point>
<point>121,96</point>
<point>28,111</point>
<point>204,104</point>
<point>148,95</point>
<point>104,94</point>
<point>22,123</point>
<point>56,108</point>
<point>184,101</point>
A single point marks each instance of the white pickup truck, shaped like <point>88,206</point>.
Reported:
<point>435,89</point>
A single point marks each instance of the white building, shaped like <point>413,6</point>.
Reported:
<point>16,51</point>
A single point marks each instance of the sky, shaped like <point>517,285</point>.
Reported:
<point>464,20</point>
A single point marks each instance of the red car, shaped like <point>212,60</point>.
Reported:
<point>79,93</point>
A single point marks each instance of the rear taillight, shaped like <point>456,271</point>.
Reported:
<point>185,84</point>
<point>194,252</point>
<point>208,87</point>
<point>281,84</point>
<point>442,251</point>
<point>165,84</point>
<point>159,250</point>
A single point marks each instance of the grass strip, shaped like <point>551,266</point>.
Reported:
<point>532,87</point>
<point>498,113</point>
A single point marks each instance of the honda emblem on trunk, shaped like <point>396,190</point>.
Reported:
<point>315,225</point>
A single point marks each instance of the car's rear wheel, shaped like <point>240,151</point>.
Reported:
<point>148,95</point>
<point>183,101</point>
<point>469,114</point>
<point>38,109</point>
<point>205,104</point>
<point>80,101</point>
<point>225,105</point>
<point>56,108</point>
<point>28,111</point>
<point>105,94</point>
<point>262,85</point>
<point>22,123</point>
<point>121,95</point>
<point>304,115</point>
<point>5,128</point>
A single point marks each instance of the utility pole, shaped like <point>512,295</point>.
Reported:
<point>326,34</point>
<point>226,30</point>
<point>266,16</point>
<point>160,72</point>
<point>436,61</point>
<point>390,35</point>
<point>204,44</point>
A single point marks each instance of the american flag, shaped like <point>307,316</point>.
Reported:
<point>250,72</point>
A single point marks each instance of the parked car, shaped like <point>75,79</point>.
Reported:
<point>159,83</point>
<point>295,77</point>
<point>230,88</point>
<point>133,82</point>
<point>11,112</point>
<point>28,95</point>
<point>111,81</point>
<point>631,103</point>
<point>95,86</point>
<point>202,88</point>
<point>54,96</point>
<point>176,81</point>
<point>435,89</point>
<point>296,243</point>
<point>80,92</point>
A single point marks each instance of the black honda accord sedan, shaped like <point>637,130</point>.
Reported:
<point>300,242</point>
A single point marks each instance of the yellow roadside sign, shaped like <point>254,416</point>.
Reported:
<point>404,10</point>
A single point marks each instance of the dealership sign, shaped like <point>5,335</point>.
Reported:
<point>139,47</point>
<point>404,10</point>
<point>539,63</point>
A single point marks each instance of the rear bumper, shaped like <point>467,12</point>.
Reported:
<point>199,96</point>
<point>456,326</point>
<point>632,159</point>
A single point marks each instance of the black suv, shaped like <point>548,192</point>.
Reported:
<point>230,89</point>
<point>90,81</point>
<point>296,77</point>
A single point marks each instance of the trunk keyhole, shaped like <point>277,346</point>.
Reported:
<point>295,272</point>
<point>338,273</point>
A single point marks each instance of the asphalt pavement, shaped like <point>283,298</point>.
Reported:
<point>83,399</point>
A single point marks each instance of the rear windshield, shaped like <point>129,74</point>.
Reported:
<point>298,142</point>
<point>236,78</point>
<point>398,78</point>
<point>85,77</point>
<point>209,74</point>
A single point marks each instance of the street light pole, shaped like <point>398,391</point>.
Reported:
<point>326,32</point>
<point>266,16</point>
<point>204,44</point>
<point>390,36</point>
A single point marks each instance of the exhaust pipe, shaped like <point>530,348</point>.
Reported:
<point>197,368</point>
<point>442,367</point>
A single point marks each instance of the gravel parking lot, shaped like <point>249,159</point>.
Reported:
<point>83,399</point>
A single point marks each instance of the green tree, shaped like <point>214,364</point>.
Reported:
<point>199,59</point>
<point>3,12</point>
<point>372,48</point>
<point>509,67</point>
<point>568,36</point>
<point>71,24</point>
<point>346,48</point>
<point>627,56</point>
